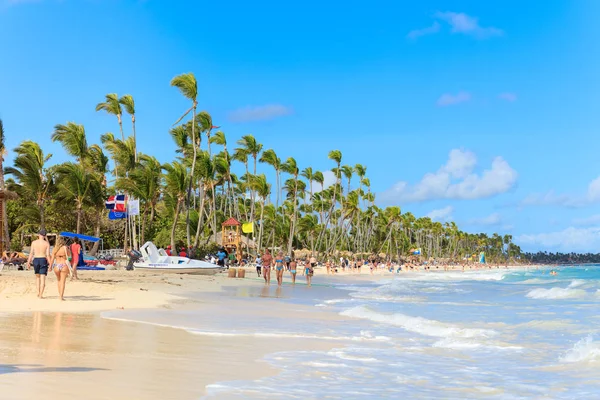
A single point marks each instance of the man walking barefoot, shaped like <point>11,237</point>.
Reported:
<point>40,254</point>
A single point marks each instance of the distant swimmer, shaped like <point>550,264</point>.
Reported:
<point>553,272</point>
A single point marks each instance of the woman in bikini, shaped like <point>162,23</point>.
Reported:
<point>60,262</point>
<point>279,267</point>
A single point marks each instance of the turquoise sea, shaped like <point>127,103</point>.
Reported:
<point>490,334</point>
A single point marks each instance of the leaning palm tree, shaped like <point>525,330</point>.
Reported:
<point>129,104</point>
<point>187,85</point>
<point>113,107</point>
<point>72,137</point>
<point>33,182</point>
<point>3,188</point>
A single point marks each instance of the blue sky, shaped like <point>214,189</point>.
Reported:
<point>485,113</point>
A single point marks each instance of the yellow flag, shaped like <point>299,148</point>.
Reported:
<point>248,227</point>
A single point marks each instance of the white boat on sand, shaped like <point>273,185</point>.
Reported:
<point>153,260</point>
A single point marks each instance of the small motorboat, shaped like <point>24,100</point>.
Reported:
<point>153,260</point>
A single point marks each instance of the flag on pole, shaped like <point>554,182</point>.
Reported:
<point>133,207</point>
<point>248,227</point>
<point>120,201</point>
<point>110,203</point>
<point>116,215</point>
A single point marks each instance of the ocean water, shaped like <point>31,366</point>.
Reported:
<point>493,334</point>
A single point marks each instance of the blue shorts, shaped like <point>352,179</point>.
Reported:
<point>40,266</point>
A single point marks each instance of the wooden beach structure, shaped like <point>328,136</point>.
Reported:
<point>231,237</point>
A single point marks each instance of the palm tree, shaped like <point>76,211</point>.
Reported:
<point>308,174</point>
<point>123,152</point>
<point>113,106</point>
<point>263,189</point>
<point>33,182</point>
<point>75,183</point>
<point>347,171</point>
<point>5,233</point>
<point>72,137</point>
<point>129,104</point>
<point>291,168</point>
<point>270,157</point>
<point>187,85</point>
<point>251,147</point>
<point>143,183</point>
<point>175,187</point>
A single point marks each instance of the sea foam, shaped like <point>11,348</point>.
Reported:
<point>419,325</point>
<point>556,293</point>
<point>585,350</point>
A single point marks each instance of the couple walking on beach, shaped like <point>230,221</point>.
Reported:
<point>64,260</point>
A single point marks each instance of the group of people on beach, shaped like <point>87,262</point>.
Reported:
<point>63,261</point>
<point>283,263</point>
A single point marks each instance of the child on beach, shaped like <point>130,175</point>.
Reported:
<point>258,265</point>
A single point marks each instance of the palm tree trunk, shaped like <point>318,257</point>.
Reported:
<point>134,138</point>
<point>200,220</point>
<point>293,221</point>
<point>174,227</point>
<point>79,213</point>
<point>187,218</point>
<point>42,215</point>
<point>260,230</point>
<point>121,127</point>
<point>97,229</point>
<point>6,244</point>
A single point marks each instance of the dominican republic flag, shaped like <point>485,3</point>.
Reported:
<point>116,203</point>
<point>110,203</point>
<point>120,200</point>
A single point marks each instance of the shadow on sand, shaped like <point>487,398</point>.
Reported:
<point>28,368</point>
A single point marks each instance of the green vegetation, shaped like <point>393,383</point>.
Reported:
<point>184,202</point>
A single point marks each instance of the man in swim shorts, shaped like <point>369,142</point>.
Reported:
<point>40,255</point>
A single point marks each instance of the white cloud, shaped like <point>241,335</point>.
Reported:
<point>448,99</point>
<point>259,113</point>
<point>430,30</point>
<point>442,214</point>
<point>491,220</point>
<point>550,198</point>
<point>456,180</point>
<point>568,240</point>
<point>510,97</point>
<point>465,24</point>
<point>589,221</point>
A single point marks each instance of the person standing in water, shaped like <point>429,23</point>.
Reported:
<point>293,266</point>
<point>267,260</point>
<point>279,263</point>
<point>61,264</point>
<point>75,252</point>
<point>309,271</point>
<point>40,254</point>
